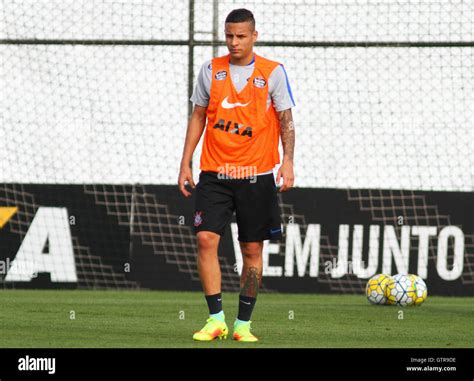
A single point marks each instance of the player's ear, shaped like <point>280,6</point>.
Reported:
<point>255,35</point>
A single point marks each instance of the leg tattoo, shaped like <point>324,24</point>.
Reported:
<point>250,282</point>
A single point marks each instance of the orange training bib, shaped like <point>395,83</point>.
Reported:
<point>242,133</point>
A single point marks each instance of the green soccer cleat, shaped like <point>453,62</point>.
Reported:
<point>242,333</point>
<point>213,329</point>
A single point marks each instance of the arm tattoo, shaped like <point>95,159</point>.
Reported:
<point>250,282</point>
<point>287,133</point>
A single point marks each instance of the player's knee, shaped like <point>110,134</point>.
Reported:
<point>251,250</point>
<point>207,240</point>
<point>251,256</point>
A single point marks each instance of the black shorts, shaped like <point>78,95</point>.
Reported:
<point>254,201</point>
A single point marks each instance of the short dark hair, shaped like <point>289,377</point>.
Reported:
<point>241,15</point>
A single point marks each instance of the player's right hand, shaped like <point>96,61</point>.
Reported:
<point>185,177</point>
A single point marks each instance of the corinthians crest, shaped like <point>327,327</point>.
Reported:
<point>197,219</point>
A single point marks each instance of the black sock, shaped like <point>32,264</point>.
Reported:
<point>214,302</point>
<point>246,305</point>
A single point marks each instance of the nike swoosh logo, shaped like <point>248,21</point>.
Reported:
<point>246,302</point>
<point>226,104</point>
<point>272,231</point>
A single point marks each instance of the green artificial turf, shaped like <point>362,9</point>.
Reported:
<point>131,319</point>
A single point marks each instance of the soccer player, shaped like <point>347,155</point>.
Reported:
<point>246,100</point>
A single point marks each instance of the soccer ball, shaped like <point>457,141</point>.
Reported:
<point>375,288</point>
<point>400,290</point>
<point>421,291</point>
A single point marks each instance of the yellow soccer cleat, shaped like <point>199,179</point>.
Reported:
<point>242,333</point>
<point>213,329</point>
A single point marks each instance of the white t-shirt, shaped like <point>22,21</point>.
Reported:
<point>279,90</point>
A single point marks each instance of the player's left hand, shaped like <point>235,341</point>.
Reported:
<point>286,172</point>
